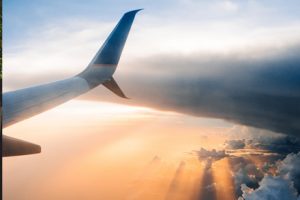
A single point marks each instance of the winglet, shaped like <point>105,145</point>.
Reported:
<point>111,50</point>
<point>109,54</point>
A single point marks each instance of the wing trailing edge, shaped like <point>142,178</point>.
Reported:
<point>113,86</point>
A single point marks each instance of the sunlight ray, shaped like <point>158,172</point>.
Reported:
<point>222,176</point>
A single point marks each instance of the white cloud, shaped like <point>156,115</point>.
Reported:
<point>271,188</point>
<point>289,168</point>
<point>285,186</point>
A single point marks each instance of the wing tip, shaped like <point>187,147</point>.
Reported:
<point>112,85</point>
<point>134,11</point>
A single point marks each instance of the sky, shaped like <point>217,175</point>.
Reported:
<point>212,84</point>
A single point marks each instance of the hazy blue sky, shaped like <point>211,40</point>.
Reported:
<point>24,16</point>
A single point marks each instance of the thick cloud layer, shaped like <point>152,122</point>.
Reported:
<point>262,91</point>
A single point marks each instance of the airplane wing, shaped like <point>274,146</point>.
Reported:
<point>24,103</point>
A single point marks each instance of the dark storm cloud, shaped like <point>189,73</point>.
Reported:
<point>261,91</point>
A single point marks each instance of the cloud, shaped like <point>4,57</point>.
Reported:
<point>211,154</point>
<point>281,162</point>
<point>258,174</point>
<point>272,156</point>
<point>289,168</point>
<point>259,92</point>
<point>258,139</point>
<point>281,144</point>
<point>244,171</point>
<point>275,188</point>
<point>235,144</point>
<point>284,184</point>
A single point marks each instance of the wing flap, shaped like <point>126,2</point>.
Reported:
<point>113,86</point>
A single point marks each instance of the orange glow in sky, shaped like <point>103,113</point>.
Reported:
<point>95,149</point>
